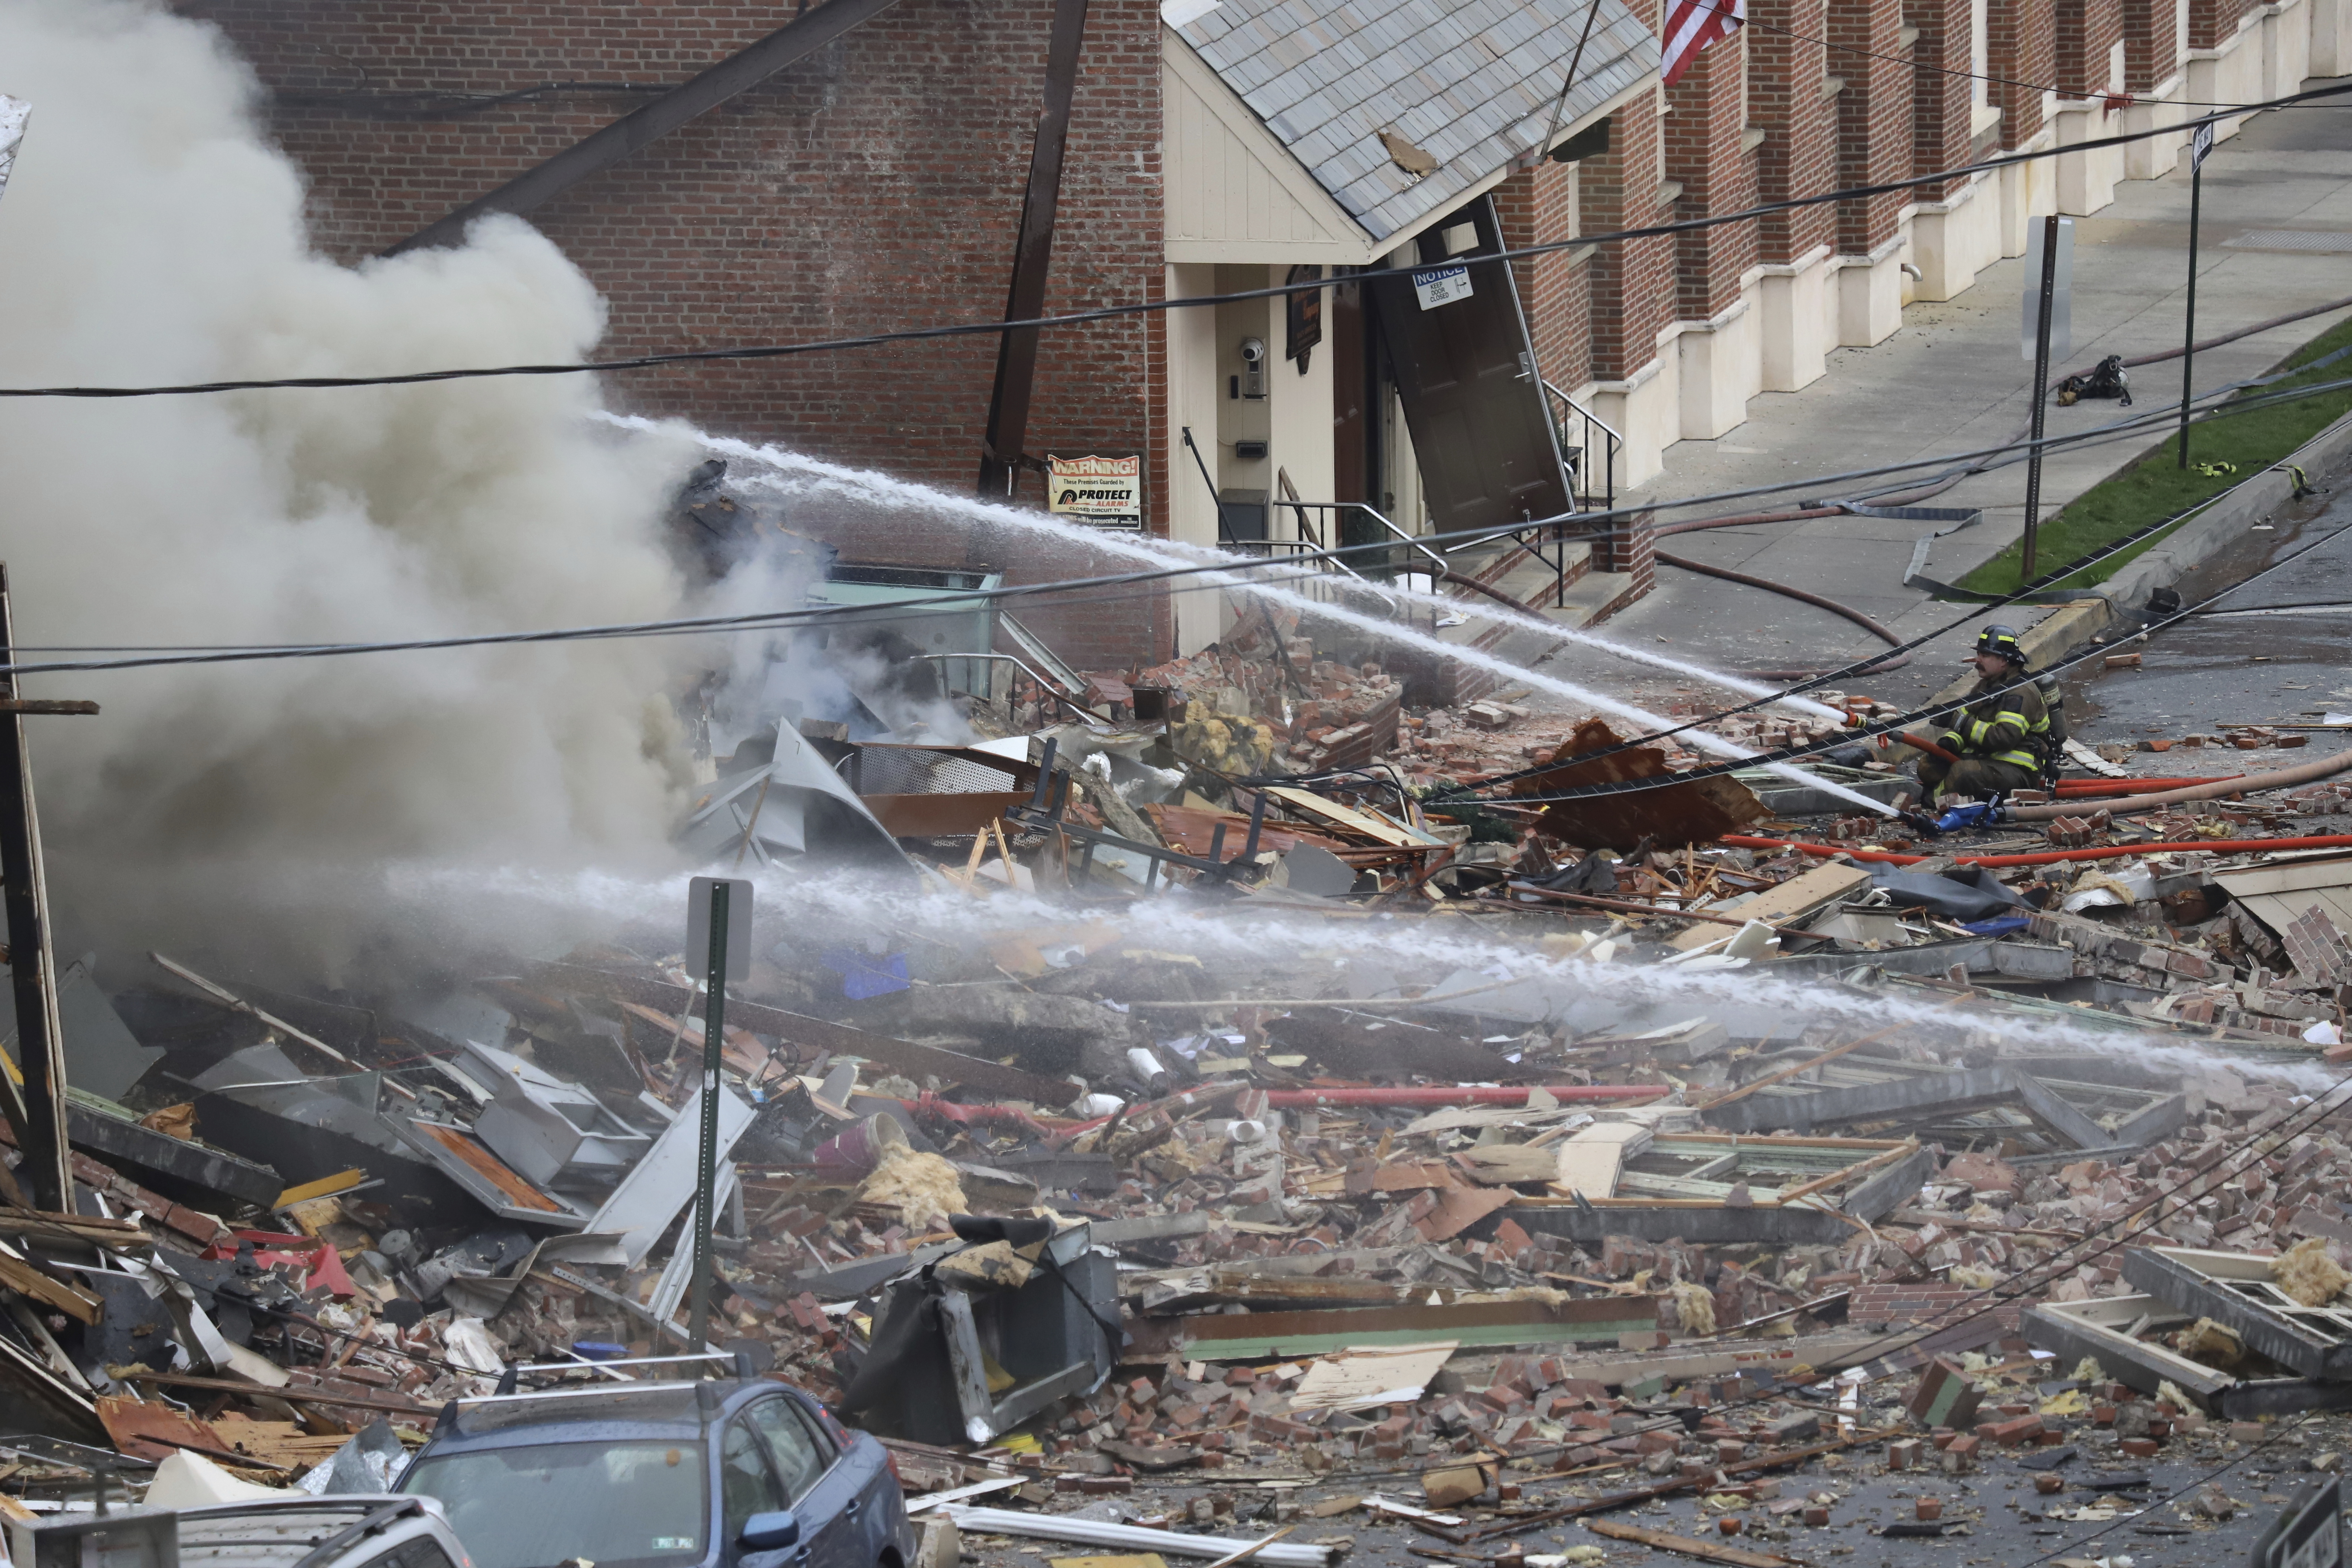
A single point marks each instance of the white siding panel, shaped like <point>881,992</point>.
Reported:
<point>1228,199</point>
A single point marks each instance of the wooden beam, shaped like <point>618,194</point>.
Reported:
<point>37,1111</point>
<point>1032,258</point>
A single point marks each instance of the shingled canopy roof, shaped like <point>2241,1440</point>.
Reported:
<point>1470,81</point>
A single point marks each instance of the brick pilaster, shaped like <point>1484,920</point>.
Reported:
<point>2087,34</point>
<point>2149,55</point>
<point>1874,116</point>
<point>1799,154</point>
<point>1942,93</point>
<point>1631,280</point>
<point>2021,48</point>
<point>1704,155</point>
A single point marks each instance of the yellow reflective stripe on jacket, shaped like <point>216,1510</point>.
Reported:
<point>2020,759</point>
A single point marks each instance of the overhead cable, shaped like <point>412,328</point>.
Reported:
<point>1145,307</point>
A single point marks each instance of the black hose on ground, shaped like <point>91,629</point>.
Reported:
<point>1803,596</point>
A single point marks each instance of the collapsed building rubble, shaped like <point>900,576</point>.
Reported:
<point>1711,1141</point>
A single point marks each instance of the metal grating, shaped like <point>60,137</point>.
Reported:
<point>2332,240</point>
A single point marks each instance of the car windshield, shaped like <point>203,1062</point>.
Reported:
<point>614,1503</point>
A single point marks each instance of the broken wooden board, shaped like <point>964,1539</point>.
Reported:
<point>1670,816</point>
<point>148,1430</point>
<point>1511,1164</point>
<point>1782,905</point>
<point>1454,1209</point>
<point>1474,1325</point>
<point>1688,1545</point>
<point>1369,824</point>
<point>1590,1158</point>
<point>277,1442</point>
<point>1371,1374</point>
<point>1189,830</point>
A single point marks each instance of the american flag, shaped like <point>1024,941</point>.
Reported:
<point>1692,25</point>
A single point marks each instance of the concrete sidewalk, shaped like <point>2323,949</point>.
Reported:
<point>1953,380</point>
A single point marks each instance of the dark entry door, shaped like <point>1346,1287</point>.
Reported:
<point>1466,374</point>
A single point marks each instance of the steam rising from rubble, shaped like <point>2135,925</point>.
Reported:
<point>151,234</point>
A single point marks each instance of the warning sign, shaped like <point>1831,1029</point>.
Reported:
<point>1106,490</point>
<point>1436,286</point>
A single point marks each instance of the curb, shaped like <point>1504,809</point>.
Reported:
<point>2195,542</point>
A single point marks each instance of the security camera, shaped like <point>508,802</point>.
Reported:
<point>1252,367</point>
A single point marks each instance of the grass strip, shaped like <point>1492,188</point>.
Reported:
<point>2156,486</point>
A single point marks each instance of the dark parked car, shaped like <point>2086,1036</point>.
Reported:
<point>720,1473</point>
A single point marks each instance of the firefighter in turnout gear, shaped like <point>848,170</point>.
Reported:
<point>2001,736</point>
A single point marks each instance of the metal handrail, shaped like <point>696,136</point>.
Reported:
<point>1411,539</point>
<point>1043,685</point>
<point>1616,435</point>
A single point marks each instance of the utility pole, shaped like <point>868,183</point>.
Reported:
<point>37,1115</point>
<point>2200,142</point>
<point>2052,229</point>
<point>719,928</point>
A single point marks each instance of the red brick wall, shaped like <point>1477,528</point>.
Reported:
<point>2020,46</point>
<point>1703,154</point>
<point>1874,116</point>
<point>2212,21</point>
<point>875,186</point>
<point>1941,90</point>
<point>1799,156</point>
<point>2149,57</point>
<point>1537,208</point>
<point>2086,31</point>
<point>1631,282</point>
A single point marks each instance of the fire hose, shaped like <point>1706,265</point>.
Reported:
<point>2247,784</point>
<point>2049,856</point>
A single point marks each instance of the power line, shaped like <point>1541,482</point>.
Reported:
<point>1146,307</point>
<point>1293,566</point>
<point>1880,727</point>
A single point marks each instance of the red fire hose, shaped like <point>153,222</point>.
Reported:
<point>2051,856</point>
<point>1454,1094</point>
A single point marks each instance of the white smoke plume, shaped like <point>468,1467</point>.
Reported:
<point>152,234</point>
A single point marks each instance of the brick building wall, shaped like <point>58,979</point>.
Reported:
<point>1942,93</point>
<point>862,189</point>
<point>1537,206</point>
<point>1874,118</point>
<point>2021,54</point>
<point>2150,35</point>
<point>2087,34</point>
<point>1704,155</point>
<point>2212,21</point>
<point>1799,153</point>
<point>1630,282</point>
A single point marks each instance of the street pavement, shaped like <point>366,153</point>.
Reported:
<point>1953,379</point>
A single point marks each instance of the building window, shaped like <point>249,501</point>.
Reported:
<point>1979,52</point>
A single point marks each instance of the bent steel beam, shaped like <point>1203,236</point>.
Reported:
<point>1032,258</point>
<point>640,128</point>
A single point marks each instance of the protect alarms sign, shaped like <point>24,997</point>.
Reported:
<point>1106,490</point>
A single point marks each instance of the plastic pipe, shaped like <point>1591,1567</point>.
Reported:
<point>2071,787</point>
<point>2249,784</point>
<point>2053,857</point>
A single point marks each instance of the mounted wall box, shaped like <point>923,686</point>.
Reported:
<point>1250,451</point>
<point>1252,367</point>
